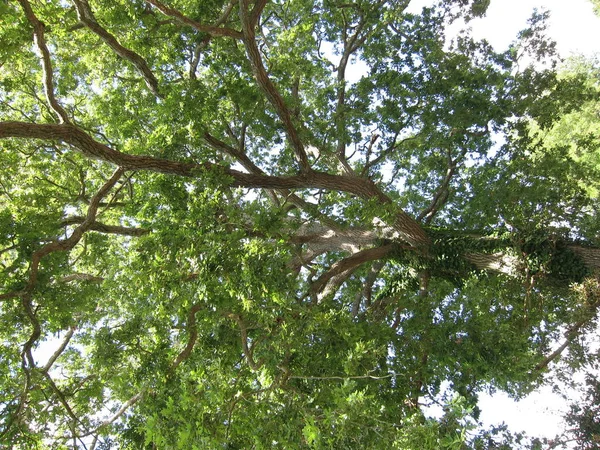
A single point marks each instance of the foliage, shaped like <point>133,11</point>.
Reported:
<point>214,233</point>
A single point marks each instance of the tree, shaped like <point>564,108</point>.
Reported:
<point>229,244</point>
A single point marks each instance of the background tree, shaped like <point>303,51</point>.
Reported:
<point>227,243</point>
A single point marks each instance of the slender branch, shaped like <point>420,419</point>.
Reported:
<point>367,289</point>
<point>201,45</point>
<point>209,29</point>
<point>441,195</point>
<point>40,41</point>
<point>109,229</point>
<point>358,377</point>
<point>385,153</point>
<point>248,349</point>
<point>128,404</point>
<point>28,361</point>
<point>192,329</point>
<point>350,46</point>
<point>590,292</point>
<point>86,16</point>
<point>60,349</point>
<point>62,398</point>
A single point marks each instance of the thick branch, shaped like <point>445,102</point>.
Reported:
<point>263,80</point>
<point>86,16</point>
<point>407,228</point>
<point>342,269</point>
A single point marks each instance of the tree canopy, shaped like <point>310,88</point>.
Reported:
<point>214,233</point>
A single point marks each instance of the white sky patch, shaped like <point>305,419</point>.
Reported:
<point>572,23</point>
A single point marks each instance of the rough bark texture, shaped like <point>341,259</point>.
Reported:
<point>407,228</point>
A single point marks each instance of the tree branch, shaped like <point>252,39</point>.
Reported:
<point>86,16</point>
<point>60,349</point>
<point>191,326</point>
<point>248,349</point>
<point>407,228</point>
<point>212,30</point>
<point>342,269</point>
<point>441,195</point>
<point>103,228</point>
<point>260,73</point>
<point>591,295</point>
<point>40,41</point>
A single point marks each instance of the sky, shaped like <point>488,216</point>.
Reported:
<point>576,31</point>
<point>572,23</point>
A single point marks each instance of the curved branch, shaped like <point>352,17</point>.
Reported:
<point>341,270</point>
<point>248,349</point>
<point>40,41</point>
<point>260,73</point>
<point>86,16</point>
<point>191,325</point>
